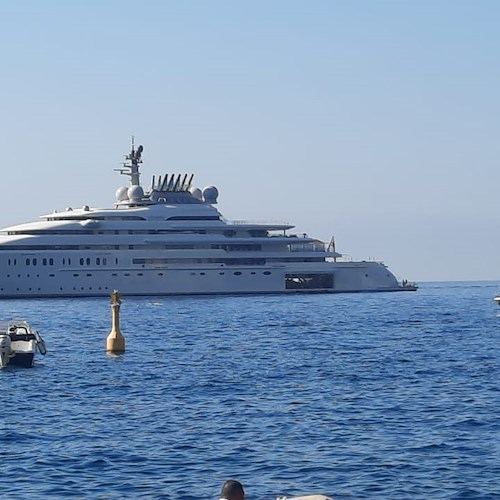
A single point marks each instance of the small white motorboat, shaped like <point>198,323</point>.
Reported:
<point>497,299</point>
<point>19,343</point>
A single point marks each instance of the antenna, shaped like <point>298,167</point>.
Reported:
<point>176,185</point>
<point>134,158</point>
<point>182,186</point>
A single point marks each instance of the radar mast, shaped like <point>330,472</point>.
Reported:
<point>132,169</point>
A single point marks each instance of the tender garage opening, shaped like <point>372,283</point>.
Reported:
<point>308,281</point>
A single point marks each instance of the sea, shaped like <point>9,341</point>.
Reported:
<point>367,395</point>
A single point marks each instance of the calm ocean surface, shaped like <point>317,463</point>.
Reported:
<point>390,395</point>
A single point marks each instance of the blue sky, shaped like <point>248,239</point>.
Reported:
<point>374,121</point>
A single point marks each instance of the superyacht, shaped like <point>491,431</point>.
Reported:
<point>170,239</point>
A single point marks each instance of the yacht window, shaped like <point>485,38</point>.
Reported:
<point>179,247</point>
<point>27,262</point>
<point>98,261</point>
<point>44,262</point>
<point>88,261</point>
<point>256,233</point>
<point>194,217</point>
<point>236,248</point>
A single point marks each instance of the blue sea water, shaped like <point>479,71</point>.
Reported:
<point>389,395</point>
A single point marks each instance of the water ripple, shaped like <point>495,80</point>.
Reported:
<point>358,396</point>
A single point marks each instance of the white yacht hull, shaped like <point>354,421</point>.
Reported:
<point>98,281</point>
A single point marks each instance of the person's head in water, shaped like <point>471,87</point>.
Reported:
<point>232,490</point>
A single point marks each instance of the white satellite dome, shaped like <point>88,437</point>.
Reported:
<point>135,193</point>
<point>196,193</point>
<point>121,193</point>
<point>210,194</point>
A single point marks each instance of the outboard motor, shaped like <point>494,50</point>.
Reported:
<point>5,350</point>
<point>40,343</point>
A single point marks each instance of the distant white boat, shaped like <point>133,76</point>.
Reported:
<point>19,343</point>
<point>497,299</point>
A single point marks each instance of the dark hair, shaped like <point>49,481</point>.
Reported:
<point>232,490</point>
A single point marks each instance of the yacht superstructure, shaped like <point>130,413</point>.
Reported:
<point>171,240</point>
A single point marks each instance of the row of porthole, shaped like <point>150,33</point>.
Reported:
<point>29,276</point>
<point>89,275</point>
<point>62,289</point>
<point>236,273</point>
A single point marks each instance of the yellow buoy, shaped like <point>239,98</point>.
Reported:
<point>115,343</point>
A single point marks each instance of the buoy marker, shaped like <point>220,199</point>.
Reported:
<point>115,343</point>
